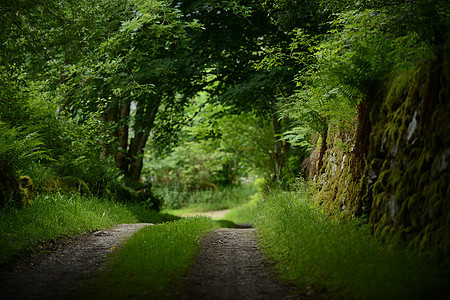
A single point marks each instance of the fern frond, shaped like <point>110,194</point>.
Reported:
<point>20,151</point>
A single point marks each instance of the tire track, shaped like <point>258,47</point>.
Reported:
<point>230,266</point>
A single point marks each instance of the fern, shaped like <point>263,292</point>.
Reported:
<point>20,150</point>
<point>298,136</point>
<point>19,153</point>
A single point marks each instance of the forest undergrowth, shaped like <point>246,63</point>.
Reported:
<point>121,99</point>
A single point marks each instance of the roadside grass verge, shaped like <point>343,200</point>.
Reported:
<point>57,216</point>
<point>207,200</point>
<point>151,260</point>
<point>313,250</point>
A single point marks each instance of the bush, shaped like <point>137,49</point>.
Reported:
<point>31,121</point>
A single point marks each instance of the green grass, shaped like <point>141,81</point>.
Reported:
<point>312,249</point>
<point>56,216</point>
<point>245,213</point>
<point>151,260</point>
<point>208,200</point>
<point>181,211</point>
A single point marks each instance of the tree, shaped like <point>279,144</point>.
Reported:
<point>215,148</point>
<point>222,57</point>
<point>128,75</point>
<point>96,58</point>
<point>346,52</point>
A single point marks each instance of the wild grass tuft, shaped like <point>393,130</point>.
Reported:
<point>313,249</point>
<point>152,258</point>
<point>56,216</point>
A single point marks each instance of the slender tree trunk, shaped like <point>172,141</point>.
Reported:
<point>145,117</point>
<point>122,133</point>
<point>323,149</point>
<point>116,113</point>
<point>279,155</point>
<point>136,155</point>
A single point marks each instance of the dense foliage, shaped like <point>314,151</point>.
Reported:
<point>187,101</point>
<point>111,97</point>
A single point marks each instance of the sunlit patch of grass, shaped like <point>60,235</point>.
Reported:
<point>208,200</point>
<point>55,216</point>
<point>152,258</point>
<point>180,211</point>
<point>310,248</point>
<point>245,213</point>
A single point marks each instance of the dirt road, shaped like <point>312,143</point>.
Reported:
<point>55,275</point>
<point>230,266</point>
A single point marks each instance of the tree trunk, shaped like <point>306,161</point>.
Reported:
<point>136,154</point>
<point>116,114</point>
<point>122,135</point>
<point>145,117</point>
<point>323,149</point>
<point>363,130</point>
<point>129,155</point>
<point>279,155</point>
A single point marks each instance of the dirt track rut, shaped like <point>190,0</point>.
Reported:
<point>57,274</point>
<point>230,266</point>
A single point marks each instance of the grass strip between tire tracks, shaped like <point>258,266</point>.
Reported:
<point>152,259</point>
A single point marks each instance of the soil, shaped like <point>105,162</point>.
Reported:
<point>230,266</point>
<point>56,274</point>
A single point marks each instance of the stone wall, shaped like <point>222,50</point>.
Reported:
<point>402,185</point>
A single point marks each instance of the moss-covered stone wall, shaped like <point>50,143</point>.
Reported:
<point>403,183</point>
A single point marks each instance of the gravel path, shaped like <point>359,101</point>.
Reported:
<point>55,275</point>
<point>230,266</point>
